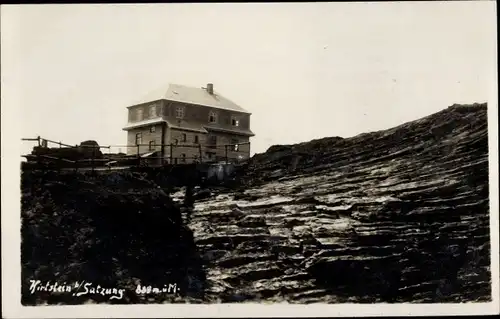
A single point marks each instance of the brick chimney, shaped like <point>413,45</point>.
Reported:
<point>210,88</point>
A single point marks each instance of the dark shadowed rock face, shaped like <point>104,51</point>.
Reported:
<point>114,229</point>
<point>395,215</point>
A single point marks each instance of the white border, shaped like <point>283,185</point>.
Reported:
<point>11,279</point>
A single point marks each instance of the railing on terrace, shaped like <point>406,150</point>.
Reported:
<point>143,156</point>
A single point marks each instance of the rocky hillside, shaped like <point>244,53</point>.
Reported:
<point>389,216</point>
<point>112,229</point>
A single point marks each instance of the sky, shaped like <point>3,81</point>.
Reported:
<point>304,70</point>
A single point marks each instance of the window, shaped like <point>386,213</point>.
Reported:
<point>212,117</point>
<point>183,158</point>
<point>152,145</point>
<point>152,111</point>
<point>138,138</point>
<point>139,114</point>
<point>213,141</point>
<point>235,122</point>
<point>196,140</point>
<point>234,144</point>
<point>152,129</point>
<point>179,112</point>
<point>184,137</point>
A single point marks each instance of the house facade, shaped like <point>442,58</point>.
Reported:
<point>186,124</point>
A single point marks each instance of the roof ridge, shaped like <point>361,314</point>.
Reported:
<point>192,95</point>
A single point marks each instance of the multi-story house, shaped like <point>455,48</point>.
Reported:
<point>182,123</point>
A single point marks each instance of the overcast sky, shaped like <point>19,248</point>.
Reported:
<point>304,70</point>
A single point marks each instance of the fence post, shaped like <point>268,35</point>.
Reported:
<point>39,142</point>
<point>225,147</point>
<point>171,153</point>
<point>92,160</point>
<point>60,144</point>
<point>162,154</point>
<point>201,155</point>
<point>138,156</point>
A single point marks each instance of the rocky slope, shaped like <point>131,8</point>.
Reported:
<point>112,229</point>
<point>389,216</point>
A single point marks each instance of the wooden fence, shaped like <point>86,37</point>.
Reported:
<point>139,159</point>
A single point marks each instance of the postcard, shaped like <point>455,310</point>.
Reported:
<point>256,159</point>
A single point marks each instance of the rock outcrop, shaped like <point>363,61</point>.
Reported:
<point>389,216</point>
<point>400,215</point>
<point>114,229</point>
<point>86,150</point>
<point>90,149</point>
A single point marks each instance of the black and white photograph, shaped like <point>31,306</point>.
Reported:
<point>249,159</point>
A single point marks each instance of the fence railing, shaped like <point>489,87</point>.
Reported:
<point>143,156</point>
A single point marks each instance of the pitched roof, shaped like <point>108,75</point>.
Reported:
<point>143,123</point>
<point>187,126</point>
<point>233,131</point>
<point>192,95</point>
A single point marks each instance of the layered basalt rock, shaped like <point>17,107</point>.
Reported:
<point>389,216</point>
